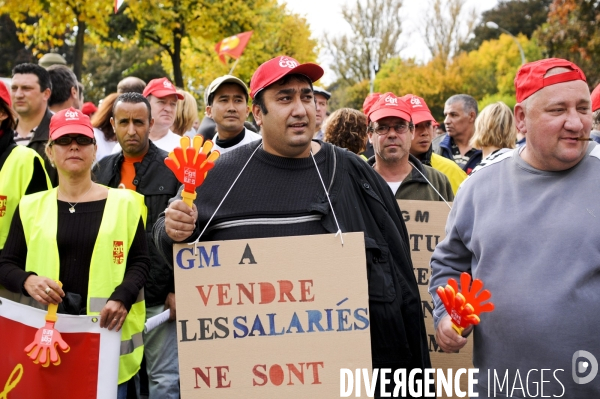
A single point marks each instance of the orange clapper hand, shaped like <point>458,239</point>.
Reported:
<point>191,164</point>
<point>43,349</point>
<point>464,307</point>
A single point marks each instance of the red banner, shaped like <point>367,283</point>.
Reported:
<point>233,46</point>
<point>79,375</point>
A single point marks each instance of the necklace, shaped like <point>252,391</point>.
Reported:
<point>72,208</point>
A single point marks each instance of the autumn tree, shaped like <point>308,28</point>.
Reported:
<point>277,31</point>
<point>376,27</point>
<point>43,25</point>
<point>516,16</point>
<point>486,73</point>
<point>446,27</point>
<point>573,32</point>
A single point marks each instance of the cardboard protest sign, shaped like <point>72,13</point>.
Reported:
<point>426,222</point>
<point>271,317</point>
<point>88,370</point>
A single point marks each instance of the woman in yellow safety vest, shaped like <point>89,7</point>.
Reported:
<point>21,168</point>
<point>89,237</point>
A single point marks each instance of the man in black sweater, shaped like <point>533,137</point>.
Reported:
<point>279,193</point>
<point>140,167</point>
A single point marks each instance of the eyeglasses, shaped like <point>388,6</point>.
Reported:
<point>385,129</point>
<point>67,140</point>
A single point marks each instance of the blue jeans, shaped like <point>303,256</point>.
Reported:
<point>122,391</point>
<point>162,362</point>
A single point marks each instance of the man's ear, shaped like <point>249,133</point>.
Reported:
<point>472,116</point>
<point>258,115</point>
<point>208,111</point>
<point>520,118</point>
<point>112,123</point>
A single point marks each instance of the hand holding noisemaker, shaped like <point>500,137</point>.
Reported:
<point>43,349</point>
<point>465,307</point>
<point>191,164</point>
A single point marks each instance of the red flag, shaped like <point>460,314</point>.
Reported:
<point>84,372</point>
<point>233,46</point>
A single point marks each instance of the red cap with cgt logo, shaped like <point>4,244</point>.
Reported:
<point>419,111</point>
<point>70,121</point>
<point>389,105</point>
<point>278,67</point>
<point>161,88</point>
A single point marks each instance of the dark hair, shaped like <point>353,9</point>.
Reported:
<point>469,103</point>
<point>211,96</point>
<point>80,89</point>
<point>63,80</point>
<point>101,118</point>
<point>133,98</point>
<point>347,128</point>
<point>259,99</point>
<point>10,123</point>
<point>134,85</point>
<point>42,74</point>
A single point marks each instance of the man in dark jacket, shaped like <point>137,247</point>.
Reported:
<point>460,112</point>
<point>140,167</point>
<point>391,133</point>
<point>30,91</point>
<point>281,180</point>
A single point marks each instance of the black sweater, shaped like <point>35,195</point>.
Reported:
<point>76,236</point>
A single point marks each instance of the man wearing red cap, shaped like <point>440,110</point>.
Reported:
<point>391,133</point>
<point>421,144</point>
<point>280,174</point>
<point>526,224</point>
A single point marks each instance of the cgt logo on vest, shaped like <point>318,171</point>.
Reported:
<point>118,252</point>
<point>3,201</point>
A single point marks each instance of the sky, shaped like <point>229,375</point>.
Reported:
<point>324,16</point>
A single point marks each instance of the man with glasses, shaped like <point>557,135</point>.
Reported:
<point>391,133</point>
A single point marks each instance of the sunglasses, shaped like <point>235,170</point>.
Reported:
<point>67,140</point>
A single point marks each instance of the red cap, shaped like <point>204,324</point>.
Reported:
<point>530,77</point>
<point>88,108</point>
<point>5,95</point>
<point>389,105</point>
<point>278,67</point>
<point>369,102</point>
<point>70,121</point>
<point>161,88</point>
<point>419,111</point>
<point>596,99</point>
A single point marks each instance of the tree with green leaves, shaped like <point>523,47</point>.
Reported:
<point>43,25</point>
<point>516,16</point>
<point>572,32</point>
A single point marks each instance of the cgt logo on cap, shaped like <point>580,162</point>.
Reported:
<point>287,63</point>
<point>415,102</point>
<point>167,84</point>
<point>71,116</point>
<point>389,100</point>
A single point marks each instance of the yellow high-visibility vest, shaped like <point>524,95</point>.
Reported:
<point>117,230</point>
<point>15,176</point>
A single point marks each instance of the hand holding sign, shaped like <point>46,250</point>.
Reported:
<point>191,164</point>
<point>465,307</point>
<point>43,348</point>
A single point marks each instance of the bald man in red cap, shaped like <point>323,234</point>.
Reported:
<point>526,224</point>
<point>275,191</point>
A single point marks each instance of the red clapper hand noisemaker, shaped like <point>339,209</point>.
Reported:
<point>43,349</point>
<point>191,164</point>
<point>465,307</point>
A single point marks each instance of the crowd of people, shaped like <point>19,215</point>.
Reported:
<point>75,178</point>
